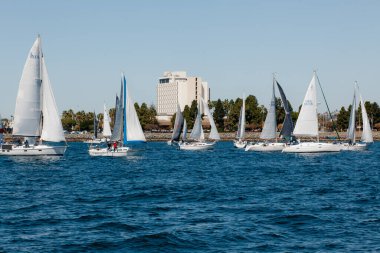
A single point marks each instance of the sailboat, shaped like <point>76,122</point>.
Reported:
<point>95,139</point>
<point>178,125</point>
<point>106,124</point>
<point>197,138</point>
<point>351,131</point>
<point>239,141</point>
<point>127,127</point>
<point>269,131</point>
<point>307,125</point>
<point>36,117</point>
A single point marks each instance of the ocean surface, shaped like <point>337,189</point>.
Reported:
<point>160,199</point>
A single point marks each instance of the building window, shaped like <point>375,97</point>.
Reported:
<point>164,80</point>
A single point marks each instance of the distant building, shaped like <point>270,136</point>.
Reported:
<point>177,88</point>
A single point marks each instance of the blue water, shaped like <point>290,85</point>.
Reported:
<point>165,200</point>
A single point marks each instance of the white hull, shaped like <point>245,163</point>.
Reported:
<point>120,151</point>
<point>354,147</point>
<point>312,147</point>
<point>39,150</point>
<point>265,146</point>
<point>196,145</point>
<point>94,141</point>
<point>240,144</point>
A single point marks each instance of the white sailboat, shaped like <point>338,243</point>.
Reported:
<point>36,117</point>
<point>127,128</point>
<point>106,123</point>
<point>269,131</point>
<point>197,137</point>
<point>307,125</point>
<point>239,141</point>
<point>351,131</point>
<point>178,125</point>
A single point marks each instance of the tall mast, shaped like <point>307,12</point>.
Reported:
<point>328,109</point>
<point>41,83</point>
<point>125,110</point>
<point>275,113</point>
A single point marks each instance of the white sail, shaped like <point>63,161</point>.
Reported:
<point>133,126</point>
<point>184,130</point>
<point>270,125</point>
<point>307,122</point>
<point>367,131</point>
<point>214,131</point>
<point>52,129</point>
<point>241,128</point>
<point>106,123</point>
<point>27,116</point>
<point>352,127</point>
<point>197,131</point>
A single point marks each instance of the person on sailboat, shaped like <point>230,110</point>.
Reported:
<point>115,146</point>
<point>26,143</point>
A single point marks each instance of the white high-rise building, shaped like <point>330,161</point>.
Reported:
<point>176,88</point>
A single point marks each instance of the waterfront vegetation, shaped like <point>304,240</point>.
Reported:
<point>225,113</point>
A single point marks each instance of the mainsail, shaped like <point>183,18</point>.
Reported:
<point>367,131</point>
<point>106,123</point>
<point>178,125</point>
<point>184,133</point>
<point>352,127</point>
<point>307,122</point>
<point>214,131</point>
<point>270,124</point>
<point>27,116</point>
<point>132,128</point>
<point>241,126</point>
<point>197,131</point>
<point>117,134</point>
<point>287,125</point>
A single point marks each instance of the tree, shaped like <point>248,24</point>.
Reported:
<point>68,120</point>
<point>219,114</point>
<point>342,119</point>
<point>254,114</point>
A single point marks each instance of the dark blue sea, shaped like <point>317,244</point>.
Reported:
<point>160,199</point>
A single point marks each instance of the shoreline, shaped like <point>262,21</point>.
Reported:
<point>225,136</point>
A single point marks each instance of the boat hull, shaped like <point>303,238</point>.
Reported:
<point>354,147</point>
<point>240,144</point>
<point>39,150</point>
<point>265,146</point>
<point>94,141</point>
<point>312,147</point>
<point>196,145</point>
<point>119,152</point>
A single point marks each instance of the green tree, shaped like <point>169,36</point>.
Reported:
<point>254,113</point>
<point>68,120</point>
<point>342,119</point>
<point>233,115</point>
<point>219,114</point>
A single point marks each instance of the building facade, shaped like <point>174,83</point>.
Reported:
<point>177,88</point>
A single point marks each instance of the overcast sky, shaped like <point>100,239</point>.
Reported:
<point>235,45</point>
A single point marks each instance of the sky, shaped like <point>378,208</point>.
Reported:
<point>235,45</point>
